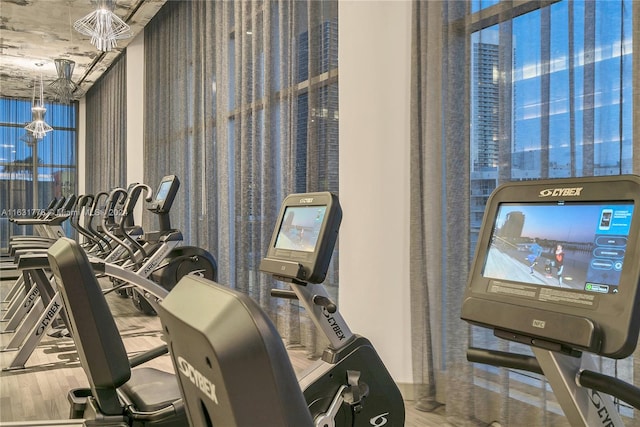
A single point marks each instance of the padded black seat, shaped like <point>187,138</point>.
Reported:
<point>147,389</point>
<point>149,397</point>
<point>231,363</point>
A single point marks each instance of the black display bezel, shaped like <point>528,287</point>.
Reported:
<point>305,266</point>
<point>164,205</point>
<point>608,325</point>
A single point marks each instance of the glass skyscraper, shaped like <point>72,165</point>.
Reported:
<point>551,100</point>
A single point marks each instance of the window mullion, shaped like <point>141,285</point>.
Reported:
<point>501,12</point>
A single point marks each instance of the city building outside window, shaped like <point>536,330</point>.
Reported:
<point>551,96</point>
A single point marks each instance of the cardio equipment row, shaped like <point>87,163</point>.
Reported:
<point>231,365</point>
<point>137,260</point>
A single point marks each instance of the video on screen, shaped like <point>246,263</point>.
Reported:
<point>163,191</point>
<point>300,228</point>
<point>566,245</point>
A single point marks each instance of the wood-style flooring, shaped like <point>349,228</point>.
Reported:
<point>39,391</point>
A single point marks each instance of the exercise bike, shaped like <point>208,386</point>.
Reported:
<point>231,362</point>
<point>566,323</point>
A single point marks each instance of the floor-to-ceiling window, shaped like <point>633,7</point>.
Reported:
<point>551,96</point>
<point>513,91</point>
<point>241,104</point>
<point>554,102</point>
<point>34,172</point>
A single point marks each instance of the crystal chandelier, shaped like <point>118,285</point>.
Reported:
<point>103,26</point>
<point>64,88</point>
<point>38,127</point>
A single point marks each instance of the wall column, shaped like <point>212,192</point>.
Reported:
<point>375,76</point>
<point>82,145</point>
<point>135,116</point>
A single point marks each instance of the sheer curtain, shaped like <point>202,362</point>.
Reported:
<point>439,251</point>
<point>241,105</point>
<point>179,118</point>
<point>504,91</point>
<point>106,161</point>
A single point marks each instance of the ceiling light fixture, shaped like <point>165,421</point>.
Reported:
<point>103,26</point>
<point>38,127</point>
<point>63,87</point>
<point>29,139</point>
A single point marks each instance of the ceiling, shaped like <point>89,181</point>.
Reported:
<point>39,31</point>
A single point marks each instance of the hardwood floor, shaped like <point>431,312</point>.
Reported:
<point>39,391</point>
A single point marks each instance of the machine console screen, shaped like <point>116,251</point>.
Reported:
<point>579,245</point>
<point>304,237</point>
<point>300,228</point>
<point>163,191</point>
<point>556,265</point>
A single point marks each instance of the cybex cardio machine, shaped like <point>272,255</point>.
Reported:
<point>160,254</point>
<point>232,366</point>
<point>557,267</point>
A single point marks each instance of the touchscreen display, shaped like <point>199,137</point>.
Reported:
<point>300,228</point>
<point>163,191</point>
<point>566,245</point>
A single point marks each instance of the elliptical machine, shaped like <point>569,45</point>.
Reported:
<point>229,357</point>
<point>180,260</point>
<point>158,254</point>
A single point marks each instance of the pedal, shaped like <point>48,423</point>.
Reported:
<point>352,394</point>
<point>59,333</point>
<point>356,392</point>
